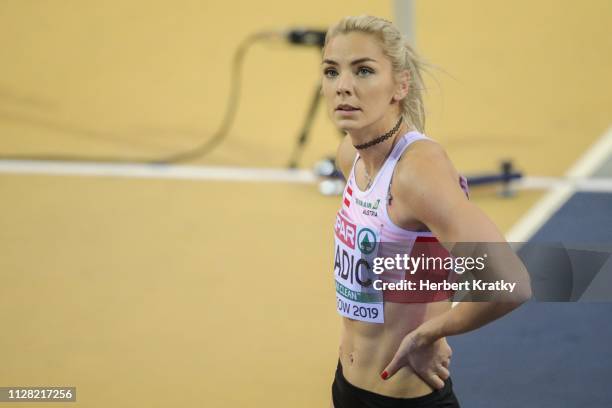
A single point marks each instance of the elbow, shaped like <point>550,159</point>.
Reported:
<point>513,299</point>
<point>522,294</point>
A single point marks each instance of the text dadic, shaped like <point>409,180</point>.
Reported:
<point>350,268</point>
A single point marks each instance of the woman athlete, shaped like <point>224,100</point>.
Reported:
<point>401,187</point>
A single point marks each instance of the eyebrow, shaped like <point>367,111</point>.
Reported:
<point>357,61</point>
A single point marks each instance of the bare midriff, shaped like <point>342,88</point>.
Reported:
<point>367,348</point>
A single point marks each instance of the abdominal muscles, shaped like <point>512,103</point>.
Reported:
<point>367,348</point>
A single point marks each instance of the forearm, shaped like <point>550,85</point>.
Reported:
<point>462,318</point>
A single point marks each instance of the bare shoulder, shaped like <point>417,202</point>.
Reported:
<point>426,183</point>
<point>425,160</point>
<point>427,186</point>
<point>345,156</point>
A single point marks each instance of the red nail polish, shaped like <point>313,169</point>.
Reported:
<point>384,375</point>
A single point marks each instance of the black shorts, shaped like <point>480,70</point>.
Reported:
<point>346,395</point>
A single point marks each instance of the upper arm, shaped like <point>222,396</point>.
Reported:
<point>429,187</point>
<point>345,156</point>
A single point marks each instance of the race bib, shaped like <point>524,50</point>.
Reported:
<point>355,248</point>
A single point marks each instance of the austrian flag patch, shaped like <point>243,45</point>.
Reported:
<point>349,192</point>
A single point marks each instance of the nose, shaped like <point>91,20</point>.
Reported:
<point>344,84</point>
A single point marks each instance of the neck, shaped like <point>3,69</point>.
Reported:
<point>373,157</point>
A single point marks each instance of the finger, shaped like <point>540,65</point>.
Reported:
<point>434,381</point>
<point>443,373</point>
<point>446,363</point>
<point>392,367</point>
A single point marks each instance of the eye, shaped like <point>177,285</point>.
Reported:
<point>330,72</point>
<point>365,71</point>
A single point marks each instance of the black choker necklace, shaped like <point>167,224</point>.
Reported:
<point>379,139</point>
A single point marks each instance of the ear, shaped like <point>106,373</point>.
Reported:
<point>402,86</point>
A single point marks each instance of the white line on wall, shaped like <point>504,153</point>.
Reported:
<point>158,171</point>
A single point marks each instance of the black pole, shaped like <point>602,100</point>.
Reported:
<point>299,147</point>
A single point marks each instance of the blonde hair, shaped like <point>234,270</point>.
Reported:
<point>402,56</point>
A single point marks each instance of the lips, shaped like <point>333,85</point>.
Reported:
<point>346,107</point>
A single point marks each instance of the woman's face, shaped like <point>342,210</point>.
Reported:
<point>358,82</point>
